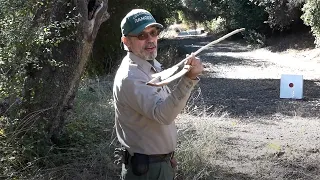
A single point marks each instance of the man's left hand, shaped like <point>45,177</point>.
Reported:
<point>197,67</point>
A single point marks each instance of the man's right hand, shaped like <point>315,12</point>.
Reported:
<point>174,163</point>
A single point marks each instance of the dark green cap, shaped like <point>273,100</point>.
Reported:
<point>136,21</point>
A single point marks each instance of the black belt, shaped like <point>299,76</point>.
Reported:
<point>155,158</point>
<point>160,157</point>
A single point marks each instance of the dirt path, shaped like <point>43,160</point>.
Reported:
<point>260,136</point>
<point>246,82</point>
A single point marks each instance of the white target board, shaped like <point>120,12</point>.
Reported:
<point>291,86</point>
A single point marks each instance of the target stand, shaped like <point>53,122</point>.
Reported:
<point>291,86</point>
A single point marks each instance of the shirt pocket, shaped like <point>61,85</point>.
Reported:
<point>164,91</point>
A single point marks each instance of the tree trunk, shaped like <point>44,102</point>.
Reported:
<point>50,92</point>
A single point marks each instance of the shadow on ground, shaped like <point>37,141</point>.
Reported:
<point>188,45</point>
<point>225,46</point>
<point>297,41</point>
<point>247,97</point>
<point>257,97</point>
<point>215,60</point>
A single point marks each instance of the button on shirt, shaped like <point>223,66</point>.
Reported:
<point>144,115</point>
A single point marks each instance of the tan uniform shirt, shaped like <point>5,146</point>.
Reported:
<point>144,115</point>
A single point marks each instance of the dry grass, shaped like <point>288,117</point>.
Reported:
<point>89,150</point>
<point>230,148</point>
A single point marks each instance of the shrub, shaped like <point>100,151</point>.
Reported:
<point>281,14</point>
<point>86,147</point>
<point>311,17</point>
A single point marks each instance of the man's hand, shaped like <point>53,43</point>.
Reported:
<point>174,163</point>
<point>197,67</point>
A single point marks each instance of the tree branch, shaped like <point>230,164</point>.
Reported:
<point>93,13</point>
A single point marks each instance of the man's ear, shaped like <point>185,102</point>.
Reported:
<point>125,41</point>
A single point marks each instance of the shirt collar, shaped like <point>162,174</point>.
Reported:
<point>146,66</point>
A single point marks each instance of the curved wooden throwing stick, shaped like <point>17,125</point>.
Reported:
<point>166,77</point>
<point>186,68</point>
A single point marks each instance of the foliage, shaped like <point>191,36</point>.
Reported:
<point>162,9</point>
<point>86,147</point>
<point>243,13</point>
<point>15,49</point>
<point>217,25</point>
<point>281,14</point>
<point>311,17</point>
<point>261,16</point>
<point>29,37</point>
<point>255,38</point>
<point>28,41</point>
<point>220,16</point>
<point>199,11</point>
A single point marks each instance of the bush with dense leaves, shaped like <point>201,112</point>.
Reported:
<point>282,14</point>
<point>311,17</point>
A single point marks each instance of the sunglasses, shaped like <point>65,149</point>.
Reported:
<point>144,35</point>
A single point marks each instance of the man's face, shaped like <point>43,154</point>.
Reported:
<point>144,45</point>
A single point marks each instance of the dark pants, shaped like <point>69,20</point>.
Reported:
<point>157,171</point>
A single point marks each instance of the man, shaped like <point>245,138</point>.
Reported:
<point>144,115</point>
